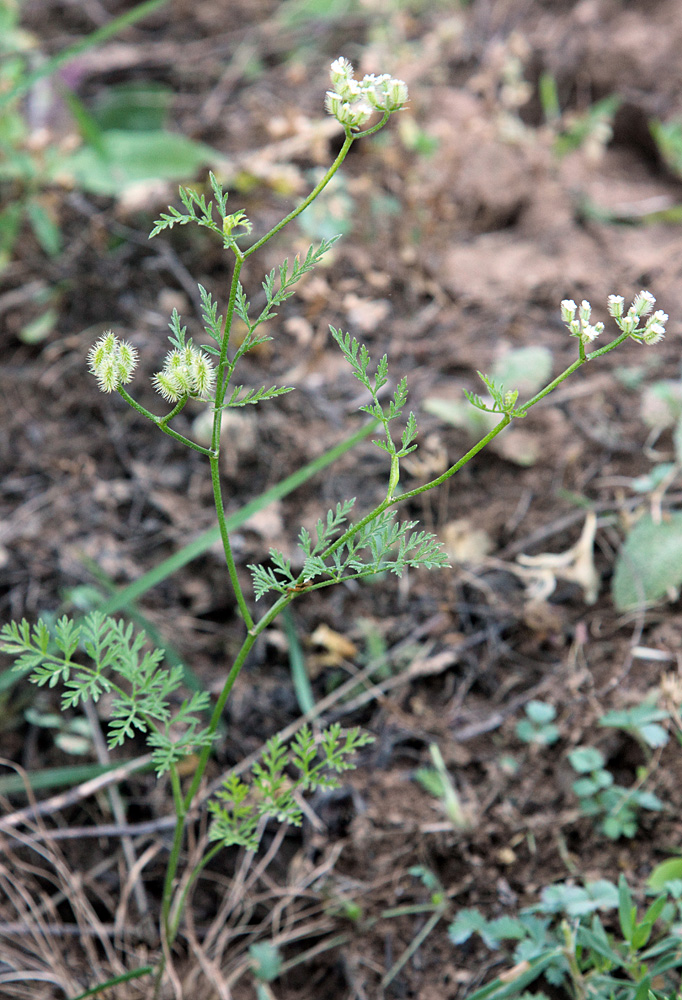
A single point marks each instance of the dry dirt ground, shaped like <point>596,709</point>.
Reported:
<point>465,229</point>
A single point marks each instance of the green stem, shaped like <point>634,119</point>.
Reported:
<point>180,902</point>
<point>221,380</point>
<point>174,859</point>
<point>161,422</point>
<point>390,501</point>
<point>474,450</point>
<point>172,908</point>
<point>350,138</point>
<point>416,942</point>
<point>225,538</point>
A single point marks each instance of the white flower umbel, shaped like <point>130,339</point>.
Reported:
<point>352,102</point>
<point>384,92</point>
<point>187,372</point>
<point>577,319</point>
<point>112,362</point>
<point>653,330</point>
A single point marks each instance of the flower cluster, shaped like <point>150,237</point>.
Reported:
<point>186,372</point>
<point>642,308</point>
<point>577,318</point>
<point>112,362</point>
<point>352,102</point>
<point>580,325</point>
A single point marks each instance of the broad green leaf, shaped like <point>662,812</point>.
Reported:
<point>649,565</point>
<point>540,712</point>
<point>130,156</point>
<point>138,106</point>
<point>46,230</point>
<point>666,872</point>
<point>627,913</point>
<point>586,759</point>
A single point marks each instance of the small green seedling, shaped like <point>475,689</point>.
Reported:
<point>642,722</point>
<point>538,726</point>
<point>437,781</point>
<point>614,808</point>
<point>570,948</point>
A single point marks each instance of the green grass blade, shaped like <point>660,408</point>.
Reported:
<point>89,42</point>
<point>299,674</point>
<point>125,978</point>
<point>59,777</point>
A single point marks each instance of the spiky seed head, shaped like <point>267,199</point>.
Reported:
<point>186,372</point>
<point>112,361</point>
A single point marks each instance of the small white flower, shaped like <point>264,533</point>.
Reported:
<point>615,305</point>
<point>345,112</point>
<point>629,322</point>
<point>384,92</point>
<point>643,304</point>
<point>568,309</point>
<point>654,330</point>
<point>112,362</point>
<point>585,311</point>
<point>653,333</point>
<point>341,70</point>
<point>590,333</point>
<point>351,101</point>
<point>397,95</point>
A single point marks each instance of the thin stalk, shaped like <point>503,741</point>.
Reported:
<point>161,422</point>
<point>390,501</point>
<point>123,978</point>
<point>185,805</point>
<point>412,948</point>
<point>181,900</point>
<point>221,381</point>
<point>225,539</point>
<point>348,142</point>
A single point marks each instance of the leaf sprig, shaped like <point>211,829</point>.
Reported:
<point>240,806</point>
<point>503,400</point>
<point>274,297</point>
<point>382,545</point>
<point>358,358</point>
<point>198,210</point>
<point>121,664</point>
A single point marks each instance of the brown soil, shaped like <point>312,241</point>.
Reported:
<point>466,229</point>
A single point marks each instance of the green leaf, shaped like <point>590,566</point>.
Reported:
<point>256,395</point>
<point>467,922</point>
<point>586,759</point>
<point>627,913</point>
<point>540,712</point>
<point>139,106</point>
<point>266,960</point>
<point>46,230</point>
<point>649,565</point>
<point>575,900</point>
<point>129,157</point>
<point>665,872</point>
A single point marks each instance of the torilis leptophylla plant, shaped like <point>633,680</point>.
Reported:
<point>119,662</point>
